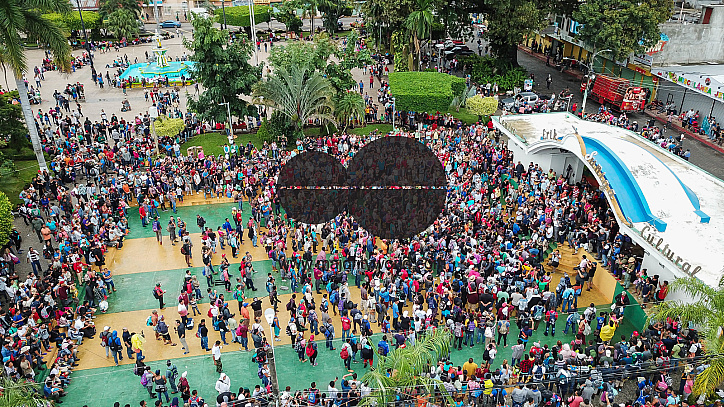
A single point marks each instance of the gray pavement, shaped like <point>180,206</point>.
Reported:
<point>702,155</point>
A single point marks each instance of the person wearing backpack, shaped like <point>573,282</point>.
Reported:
<point>114,344</point>
<point>172,376</point>
<point>158,293</point>
<point>313,394</point>
<point>186,251</point>
<point>311,350</point>
<point>346,355</point>
<point>104,336</point>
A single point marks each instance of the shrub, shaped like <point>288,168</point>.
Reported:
<point>424,91</point>
<point>71,21</point>
<point>482,106</point>
<point>493,70</point>
<point>239,16</point>
<point>6,219</point>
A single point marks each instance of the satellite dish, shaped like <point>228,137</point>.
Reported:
<point>269,315</point>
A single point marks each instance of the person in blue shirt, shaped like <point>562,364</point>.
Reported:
<point>383,348</point>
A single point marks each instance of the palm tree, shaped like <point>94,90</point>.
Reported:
<point>298,93</point>
<point>24,18</point>
<point>409,366</point>
<point>419,24</point>
<point>349,107</point>
<point>20,393</point>
<point>706,310</point>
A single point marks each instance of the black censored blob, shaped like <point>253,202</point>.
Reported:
<point>312,187</point>
<point>397,187</point>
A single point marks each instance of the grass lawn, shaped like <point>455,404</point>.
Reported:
<point>464,116</point>
<point>382,127</point>
<point>12,184</point>
<point>213,143</point>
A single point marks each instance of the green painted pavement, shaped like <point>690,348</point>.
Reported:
<point>89,387</point>
<point>214,214</point>
<point>134,290</point>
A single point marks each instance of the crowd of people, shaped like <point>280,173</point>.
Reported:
<point>480,271</point>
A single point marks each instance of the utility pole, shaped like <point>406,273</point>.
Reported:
<point>223,11</point>
<point>85,35</point>
<point>588,83</point>
<point>269,316</point>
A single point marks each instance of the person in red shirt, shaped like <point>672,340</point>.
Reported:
<point>525,367</point>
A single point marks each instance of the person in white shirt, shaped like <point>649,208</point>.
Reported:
<point>216,355</point>
<point>223,385</point>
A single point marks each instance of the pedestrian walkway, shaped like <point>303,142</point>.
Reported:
<point>143,262</point>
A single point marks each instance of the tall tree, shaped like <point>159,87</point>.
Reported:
<point>107,7</point>
<point>348,107</point>
<point>419,24</point>
<point>706,311</point>
<point>393,13</point>
<point>409,366</point>
<point>509,21</point>
<point>24,17</point>
<point>21,393</point>
<point>122,23</point>
<point>299,93</point>
<point>223,70</point>
<point>623,26</point>
<point>286,14</point>
<point>332,10</point>
<point>11,121</point>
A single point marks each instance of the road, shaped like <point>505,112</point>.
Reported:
<point>702,155</point>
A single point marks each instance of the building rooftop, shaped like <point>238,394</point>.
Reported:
<point>670,207</point>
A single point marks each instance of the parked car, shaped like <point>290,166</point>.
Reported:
<point>170,24</point>
<point>527,97</point>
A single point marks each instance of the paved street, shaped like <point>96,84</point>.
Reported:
<point>701,155</point>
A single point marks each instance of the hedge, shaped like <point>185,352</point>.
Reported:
<point>424,91</point>
<point>239,16</point>
<point>71,21</point>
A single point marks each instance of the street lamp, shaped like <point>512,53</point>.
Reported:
<point>153,114</point>
<point>252,26</point>
<point>588,83</point>
<point>85,35</point>
<point>223,11</point>
<point>393,114</point>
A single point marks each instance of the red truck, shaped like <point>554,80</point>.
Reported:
<point>616,93</point>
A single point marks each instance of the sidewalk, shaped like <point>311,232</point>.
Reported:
<point>659,117</point>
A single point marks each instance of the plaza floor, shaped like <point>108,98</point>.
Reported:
<point>143,262</point>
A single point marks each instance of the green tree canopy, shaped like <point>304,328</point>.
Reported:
<point>23,19</point>
<point>299,93</point>
<point>349,106</point>
<point>239,16</point>
<point>106,7</point>
<point>409,366</point>
<point>223,70</point>
<point>11,121</point>
<point>122,23</point>
<point>316,56</point>
<point>71,21</point>
<point>623,26</point>
<point>333,10</point>
<point>705,309</point>
<point>286,14</point>
<point>20,393</point>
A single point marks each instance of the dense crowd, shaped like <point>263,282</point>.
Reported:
<point>479,271</point>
